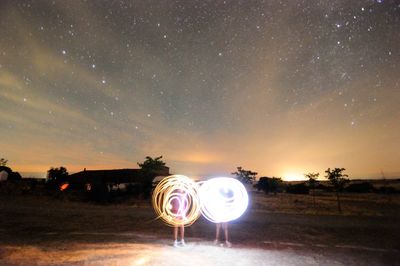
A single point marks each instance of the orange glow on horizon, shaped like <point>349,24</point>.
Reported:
<point>293,176</point>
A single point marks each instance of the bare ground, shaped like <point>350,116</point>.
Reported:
<point>42,231</point>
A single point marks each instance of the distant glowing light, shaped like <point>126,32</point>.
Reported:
<point>64,186</point>
<point>175,200</point>
<point>293,177</point>
<point>223,199</point>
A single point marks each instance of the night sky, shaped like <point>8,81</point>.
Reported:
<point>279,87</point>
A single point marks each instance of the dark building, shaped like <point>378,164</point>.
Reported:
<point>115,178</point>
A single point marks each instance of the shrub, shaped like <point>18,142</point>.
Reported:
<point>363,187</point>
<point>388,190</point>
<point>301,188</point>
<point>268,184</point>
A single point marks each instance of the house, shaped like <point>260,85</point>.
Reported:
<point>114,179</point>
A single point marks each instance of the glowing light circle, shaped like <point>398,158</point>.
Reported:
<point>175,200</point>
<point>222,199</point>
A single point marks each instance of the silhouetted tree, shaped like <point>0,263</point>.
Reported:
<point>244,176</point>
<point>150,167</point>
<point>56,176</point>
<point>338,180</point>
<point>3,162</point>
<point>312,183</point>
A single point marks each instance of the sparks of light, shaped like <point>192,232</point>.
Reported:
<point>175,200</point>
<point>222,199</point>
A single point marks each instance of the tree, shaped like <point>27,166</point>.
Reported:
<point>150,168</point>
<point>56,176</point>
<point>338,181</point>
<point>244,176</point>
<point>151,165</point>
<point>312,183</point>
<point>3,162</point>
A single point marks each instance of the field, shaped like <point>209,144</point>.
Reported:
<point>276,230</point>
<point>368,204</point>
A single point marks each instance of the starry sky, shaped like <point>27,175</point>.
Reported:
<point>282,88</point>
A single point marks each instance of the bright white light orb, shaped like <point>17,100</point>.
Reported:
<point>175,200</point>
<point>223,199</point>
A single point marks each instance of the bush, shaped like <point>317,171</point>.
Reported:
<point>363,187</point>
<point>388,190</point>
<point>301,188</point>
<point>324,187</point>
<point>268,184</point>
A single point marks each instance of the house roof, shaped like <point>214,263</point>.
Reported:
<point>107,176</point>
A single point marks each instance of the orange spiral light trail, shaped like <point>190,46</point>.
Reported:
<point>175,200</point>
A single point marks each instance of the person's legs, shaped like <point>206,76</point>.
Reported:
<point>218,227</point>
<point>225,227</point>
<point>182,229</point>
<point>175,233</point>
<point>175,236</point>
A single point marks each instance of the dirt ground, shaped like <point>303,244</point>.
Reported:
<point>274,231</point>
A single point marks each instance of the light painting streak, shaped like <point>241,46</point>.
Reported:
<point>175,200</point>
<point>223,199</point>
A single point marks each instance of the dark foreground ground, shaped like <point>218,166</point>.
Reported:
<point>41,231</point>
